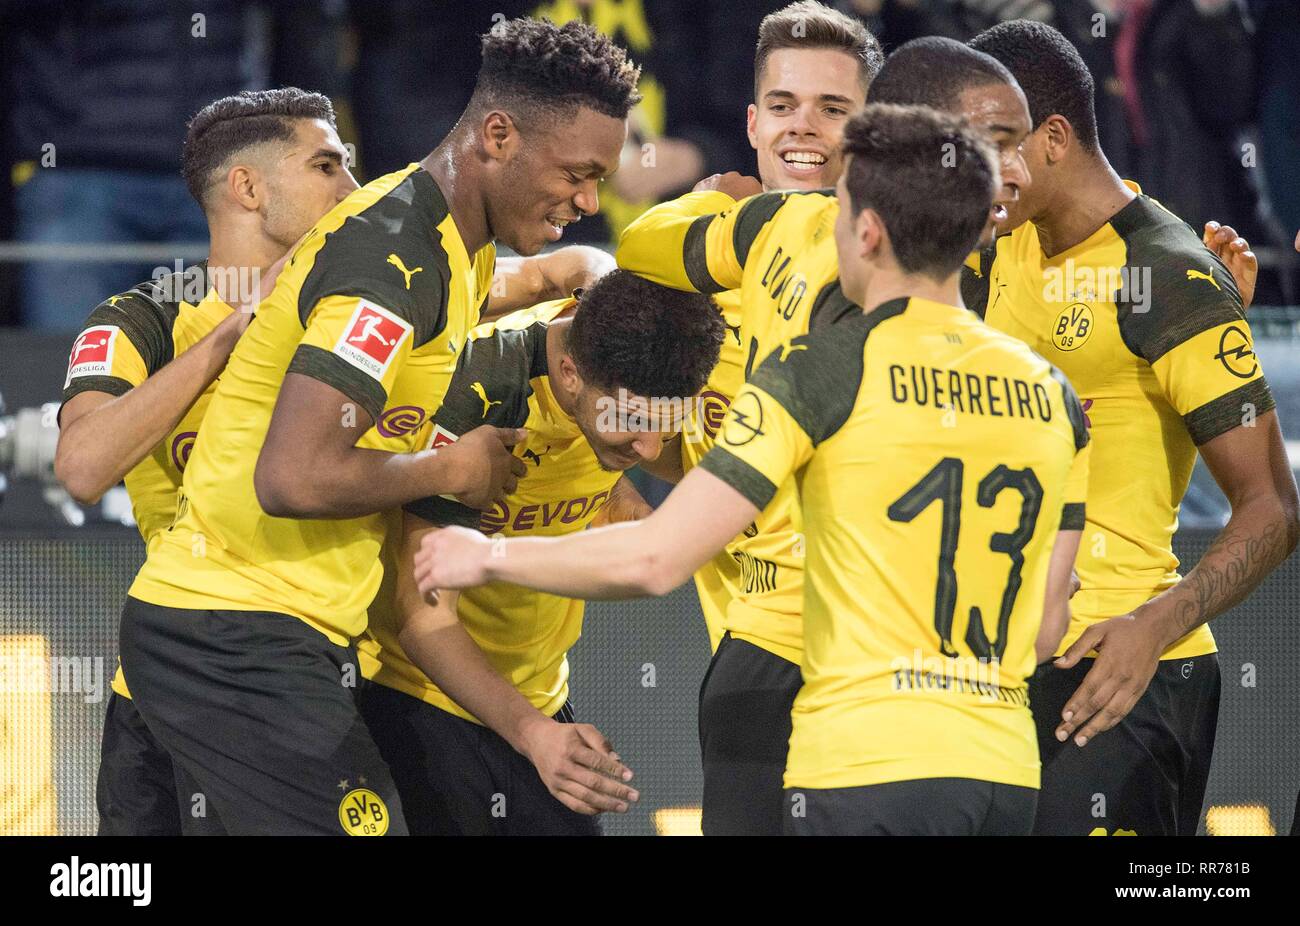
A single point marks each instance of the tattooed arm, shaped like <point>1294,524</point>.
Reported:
<point>1250,464</point>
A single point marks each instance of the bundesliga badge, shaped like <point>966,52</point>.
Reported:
<point>92,353</point>
<point>371,338</point>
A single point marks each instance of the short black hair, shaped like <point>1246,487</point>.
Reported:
<point>928,175</point>
<point>653,341</point>
<point>531,64</point>
<point>934,71</point>
<point>227,126</point>
<point>809,24</point>
<point>1050,71</point>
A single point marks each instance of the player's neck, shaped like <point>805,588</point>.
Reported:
<point>1085,202</point>
<point>453,167</point>
<point>232,256</point>
<point>886,287</point>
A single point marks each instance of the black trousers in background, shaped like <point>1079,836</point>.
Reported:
<point>1147,775</point>
<point>255,710</point>
<point>135,788</point>
<point>918,807</point>
<point>745,704</point>
<point>458,778</point>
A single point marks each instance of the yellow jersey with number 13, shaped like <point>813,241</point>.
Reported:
<point>936,460</point>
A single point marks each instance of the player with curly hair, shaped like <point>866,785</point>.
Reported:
<point>237,635</point>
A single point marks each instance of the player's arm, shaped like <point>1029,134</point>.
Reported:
<point>319,424</point>
<point>361,324</point>
<point>624,504</point>
<point>628,560</point>
<point>1210,374</point>
<point>707,509</point>
<point>575,761</point>
<point>104,432</point>
<point>1062,582</point>
<point>699,242</point>
<point>523,281</point>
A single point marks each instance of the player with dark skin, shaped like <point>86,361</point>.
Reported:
<point>517,185</point>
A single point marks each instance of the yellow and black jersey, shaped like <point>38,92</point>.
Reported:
<point>128,338</point>
<point>778,250</point>
<point>503,380</point>
<point>377,302</point>
<point>1149,327</point>
<point>718,581</point>
<point>914,429</point>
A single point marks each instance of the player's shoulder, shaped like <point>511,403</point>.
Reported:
<point>784,209</point>
<point>817,376</point>
<point>386,242</point>
<point>146,314</point>
<point>1173,287</point>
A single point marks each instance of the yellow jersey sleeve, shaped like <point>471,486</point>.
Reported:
<point>698,242</point>
<point>126,339</point>
<point>1191,328</point>
<point>366,304</point>
<point>800,395</point>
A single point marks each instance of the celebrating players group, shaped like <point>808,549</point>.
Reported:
<point>378,469</point>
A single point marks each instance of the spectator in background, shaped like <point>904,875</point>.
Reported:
<point>1187,70</point>
<point>1277,49</point>
<point>102,90</point>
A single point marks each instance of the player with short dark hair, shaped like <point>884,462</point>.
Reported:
<point>264,166</point>
<point>1150,328</point>
<point>470,705</point>
<point>909,426</point>
<point>350,353</point>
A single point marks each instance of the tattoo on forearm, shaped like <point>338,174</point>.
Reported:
<point>1237,561</point>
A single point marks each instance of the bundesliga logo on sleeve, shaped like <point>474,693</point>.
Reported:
<point>371,338</point>
<point>92,353</point>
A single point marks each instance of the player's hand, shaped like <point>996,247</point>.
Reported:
<point>734,184</point>
<point>579,766</point>
<point>1128,654</point>
<point>1235,252</point>
<point>624,504</point>
<point>486,471</point>
<point>453,557</point>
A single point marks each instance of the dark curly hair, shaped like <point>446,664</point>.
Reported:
<point>531,64</point>
<point>630,333</point>
<point>227,126</point>
<point>929,177</point>
<point>1050,71</point>
<point>934,71</point>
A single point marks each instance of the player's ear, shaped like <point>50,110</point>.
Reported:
<point>751,121</point>
<point>1058,136</point>
<point>243,184</point>
<point>870,233</point>
<point>499,135</point>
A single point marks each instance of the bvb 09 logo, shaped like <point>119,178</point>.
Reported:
<point>1073,326</point>
<point>362,813</point>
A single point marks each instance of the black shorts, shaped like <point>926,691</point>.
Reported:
<point>135,789</point>
<point>919,807</point>
<point>458,778</point>
<point>1146,775</point>
<point>257,712</point>
<point>745,704</point>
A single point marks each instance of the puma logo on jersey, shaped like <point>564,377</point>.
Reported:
<point>1208,277</point>
<point>406,274</point>
<point>482,394</point>
<point>787,349</point>
<point>534,455</point>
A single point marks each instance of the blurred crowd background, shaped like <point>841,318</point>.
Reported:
<point>1198,100</point>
